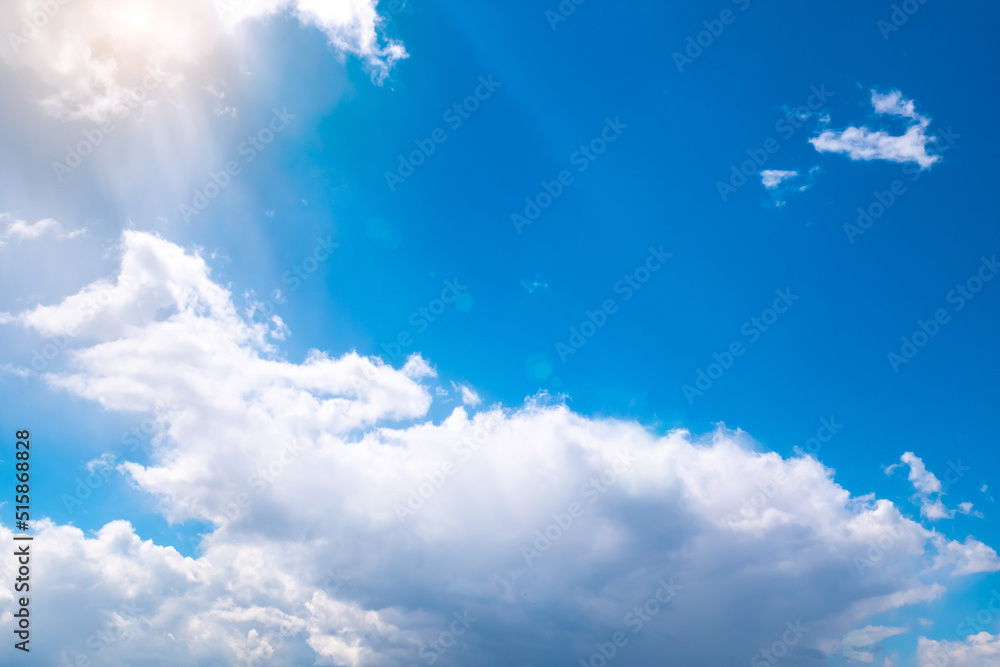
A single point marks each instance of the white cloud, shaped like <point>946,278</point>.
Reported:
<point>895,104</point>
<point>351,26</point>
<point>782,183</point>
<point>147,604</point>
<point>935,509</point>
<point>860,645</point>
<point>864,143</point>
<point>469,396</point>
<point>970,557</point>
<point>89,56</point>
<point>928,489</point>
<point>967,508</point>
<point>19,230</point>
<point>771,178</point>
<point>309,469</point>
<point>923,480</point>
<point>155,275</point>
<point>979,650</point>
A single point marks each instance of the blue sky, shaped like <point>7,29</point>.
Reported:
<point>625,136</point>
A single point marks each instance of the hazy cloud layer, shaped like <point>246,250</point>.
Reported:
<point>96,60</point>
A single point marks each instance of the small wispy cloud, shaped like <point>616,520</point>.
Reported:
<point>929,490</point>
<point>895,104</point>
<point>534,285</point>
<point>923,480</point>
<point>781,183</point>
<point>12,369</point>
<point>772,178</point>
<point>860,645</point>
<point>20,230</point>
<point>469,395</point>
<point>864,143</point>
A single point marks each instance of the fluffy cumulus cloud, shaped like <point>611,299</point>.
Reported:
<point>979,650</point>
<point>101,59</point>
<point>865,143</point>
<point>349,528</point>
